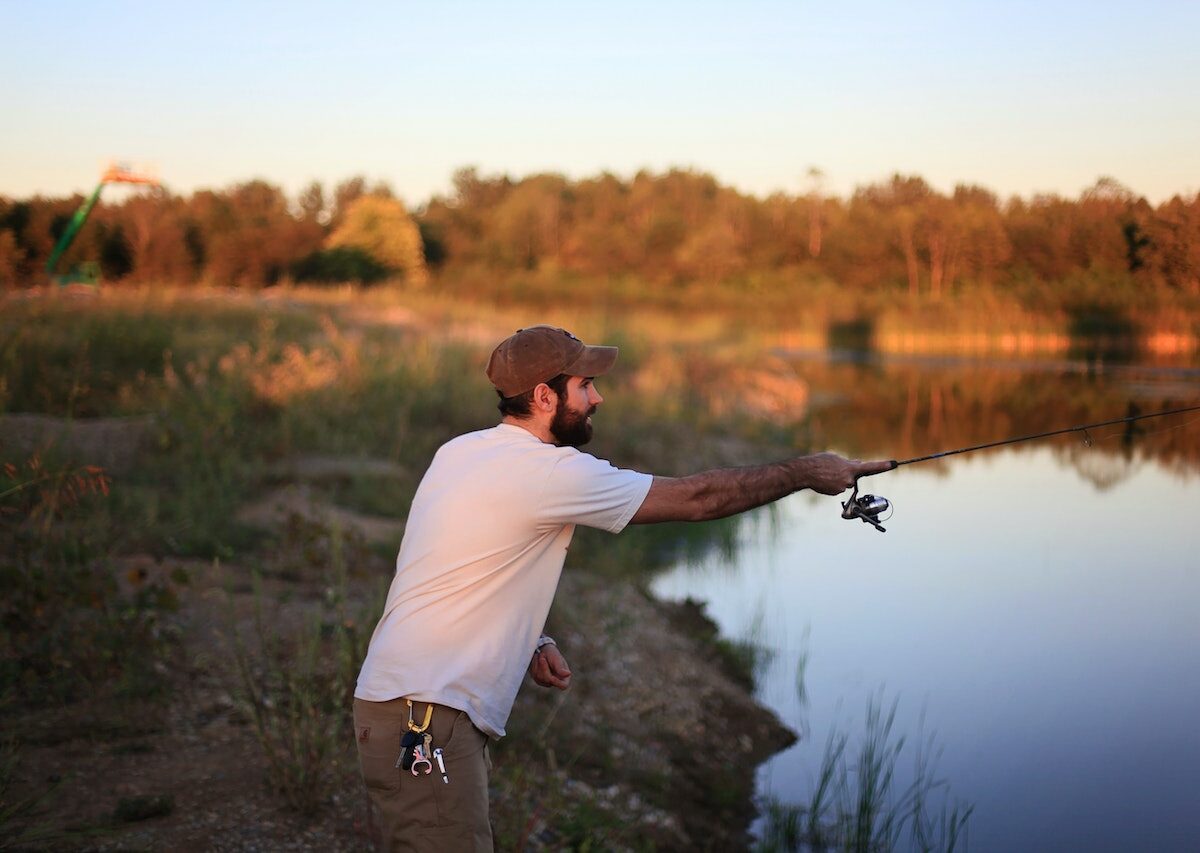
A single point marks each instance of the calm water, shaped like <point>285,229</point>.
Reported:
<point>1035,609</point>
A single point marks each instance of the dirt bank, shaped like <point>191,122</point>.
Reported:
<point>655,744</point>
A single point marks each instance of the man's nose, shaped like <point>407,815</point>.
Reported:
<point>594,398</point>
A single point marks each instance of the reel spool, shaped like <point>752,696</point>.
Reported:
<point>867,508</point>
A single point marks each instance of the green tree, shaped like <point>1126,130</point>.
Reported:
<point>1173,252</point>
<point>527,225</point>
<point>312,204</point>
<point>250,237</point>
<point>381,227</point>
<point>156,226</point>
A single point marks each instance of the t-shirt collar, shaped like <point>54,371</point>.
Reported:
<point>514,429</point>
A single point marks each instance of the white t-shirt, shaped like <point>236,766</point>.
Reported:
<point>483,549</point>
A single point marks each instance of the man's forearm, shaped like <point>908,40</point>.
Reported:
<point>727,491</point>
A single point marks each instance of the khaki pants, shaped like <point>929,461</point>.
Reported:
<point>424,813</point>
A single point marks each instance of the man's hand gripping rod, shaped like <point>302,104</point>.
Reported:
<point>867,508</point>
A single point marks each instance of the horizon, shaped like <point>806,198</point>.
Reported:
<point>116,193</point>
<point>1022,98</point>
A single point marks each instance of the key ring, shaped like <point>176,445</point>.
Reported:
<point>412,726</point>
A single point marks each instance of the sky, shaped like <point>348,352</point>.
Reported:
<point>1020,97</point>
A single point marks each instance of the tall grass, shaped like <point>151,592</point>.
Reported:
<point>296,688</point>
<point>856,806</point>
<point>69,629</point>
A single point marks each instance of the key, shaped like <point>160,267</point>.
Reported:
<point>437,756</point>
<point>409,743</point>
<point>427,747</point>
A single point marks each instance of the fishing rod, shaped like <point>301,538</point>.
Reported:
<point>868,508</point>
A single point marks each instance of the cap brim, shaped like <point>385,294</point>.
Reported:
<point>593,361</point>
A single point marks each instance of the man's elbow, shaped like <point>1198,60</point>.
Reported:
<point>682,499</point>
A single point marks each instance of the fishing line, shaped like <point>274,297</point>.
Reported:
<point>1128,419</point>
<point>868,508</point>
<point>1141,433</point>
<point>1158,431</point>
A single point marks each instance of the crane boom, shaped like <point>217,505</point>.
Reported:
<point>116,173</point>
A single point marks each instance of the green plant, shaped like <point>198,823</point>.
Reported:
<point>339,265</point>
<point>297,708</point>
<point>305,548</point>
<point>854,805</point>
<point>69,630</point>
<point>37,495</point>
<point>296,691</point>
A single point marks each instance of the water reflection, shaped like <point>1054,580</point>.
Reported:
<point>902,407</point>
<point>1035,607</point>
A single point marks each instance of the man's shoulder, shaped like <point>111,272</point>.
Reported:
<point>468,437</point>
<point>518,446</point>
<point>500,435</point>
<point>501,441</point>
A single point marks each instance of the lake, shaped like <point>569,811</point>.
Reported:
<point>1031,612</point>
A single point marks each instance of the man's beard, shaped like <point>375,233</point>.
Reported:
<point>570,428</point>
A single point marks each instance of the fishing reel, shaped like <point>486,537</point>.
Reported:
<point>867,508</point>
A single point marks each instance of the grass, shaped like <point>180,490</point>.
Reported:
<point>540,813</point>
<point>856,805</point>
<point>538,805</point>
<point>67,624</point>
<point>296,687</point>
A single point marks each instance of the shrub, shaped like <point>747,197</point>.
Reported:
<point>297,691</point>
<point>67,629</point>
<point>338,265</point>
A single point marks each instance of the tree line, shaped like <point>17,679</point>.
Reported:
<point>676,227</point>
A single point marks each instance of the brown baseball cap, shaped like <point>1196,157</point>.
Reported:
<point>540,353</point>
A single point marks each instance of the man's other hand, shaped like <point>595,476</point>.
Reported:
<point>549,668</point>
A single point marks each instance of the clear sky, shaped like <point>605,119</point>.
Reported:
<point>1019,96</point>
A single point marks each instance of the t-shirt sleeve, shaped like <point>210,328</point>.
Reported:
<point>582,489</point>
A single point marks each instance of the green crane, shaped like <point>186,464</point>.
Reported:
<point>89,273</point>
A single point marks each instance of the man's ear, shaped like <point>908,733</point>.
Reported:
<point>544,398</point>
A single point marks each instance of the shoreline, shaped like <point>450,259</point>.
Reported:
<point>660,719</point>
<point>657,743</point>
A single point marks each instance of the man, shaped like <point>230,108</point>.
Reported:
<point>483,548</point>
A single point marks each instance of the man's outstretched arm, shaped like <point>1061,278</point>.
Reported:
<point>727,491</point>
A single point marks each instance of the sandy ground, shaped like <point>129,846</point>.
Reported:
<point>637,754</point>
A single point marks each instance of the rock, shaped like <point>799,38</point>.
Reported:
<point>274,510</point>
<point>111,443</point>
<point>334,468</point>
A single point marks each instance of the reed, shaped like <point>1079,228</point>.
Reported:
<point>855,804</point>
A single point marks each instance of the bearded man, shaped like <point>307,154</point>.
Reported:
<point>483,548</point>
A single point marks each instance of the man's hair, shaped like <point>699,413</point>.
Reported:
<point>521,405</point>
